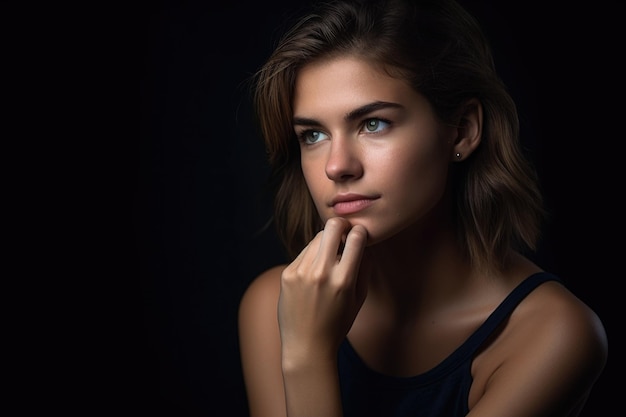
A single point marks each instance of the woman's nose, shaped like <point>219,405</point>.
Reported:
<point>343,160</point>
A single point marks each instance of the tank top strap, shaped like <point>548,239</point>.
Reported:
<point>507,306</point>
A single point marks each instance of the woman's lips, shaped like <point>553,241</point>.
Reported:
<point>351,204</point>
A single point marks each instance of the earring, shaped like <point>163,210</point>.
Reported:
<point>458,155</point>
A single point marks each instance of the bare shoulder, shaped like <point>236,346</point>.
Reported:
<point>546,359</point>
<point>561,319</point>
<point>262,294</point>
<point>259,344</point>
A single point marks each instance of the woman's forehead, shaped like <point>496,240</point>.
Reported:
<point>346,81</point>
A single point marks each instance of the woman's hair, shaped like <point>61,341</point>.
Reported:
<point>440,50</point>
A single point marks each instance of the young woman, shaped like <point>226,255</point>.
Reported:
<point>409,209</point>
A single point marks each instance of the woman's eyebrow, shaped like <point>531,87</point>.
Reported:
<point>351,116</point>
<point>305,121</point>
<point>370,107</point>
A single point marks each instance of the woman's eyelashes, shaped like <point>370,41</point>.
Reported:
<point>310,136</point>
<point>369,126</point>
<point>376,125</point>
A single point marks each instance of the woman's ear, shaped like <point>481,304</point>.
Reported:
<point>469,130</point>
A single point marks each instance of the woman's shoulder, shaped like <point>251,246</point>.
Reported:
<point>262,293</point>
<point>268,280</point>
<point>555,309</point>
<point>260,345</point>
<point>554,343</point>
<point>556,321</point>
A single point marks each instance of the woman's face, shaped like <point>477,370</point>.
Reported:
<point>372,150</point>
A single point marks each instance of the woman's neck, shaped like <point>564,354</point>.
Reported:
<point>419,268</point>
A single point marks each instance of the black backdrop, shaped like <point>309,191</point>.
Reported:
<point>200,207</point>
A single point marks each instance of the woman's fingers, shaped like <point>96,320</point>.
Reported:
<point>333,236</point>
<point>353,249</point>
<point>350,261</point>
<point>356,241</point>
<point>320,291</point>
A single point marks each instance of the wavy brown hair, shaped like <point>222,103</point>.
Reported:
<point>441,51</point>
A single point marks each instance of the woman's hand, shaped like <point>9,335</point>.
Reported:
<point>320,293</point>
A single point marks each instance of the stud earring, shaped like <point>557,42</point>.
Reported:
<point>458,155</point>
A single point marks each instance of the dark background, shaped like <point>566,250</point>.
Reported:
<point>200,207</point>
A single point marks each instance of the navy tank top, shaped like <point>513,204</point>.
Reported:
<point>443,391</point>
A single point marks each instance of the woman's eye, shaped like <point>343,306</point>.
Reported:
<point>375,125</point>
<point>310,137</point>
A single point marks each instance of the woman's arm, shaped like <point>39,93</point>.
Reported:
<point>259,346</point>
<point>292,320</point>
